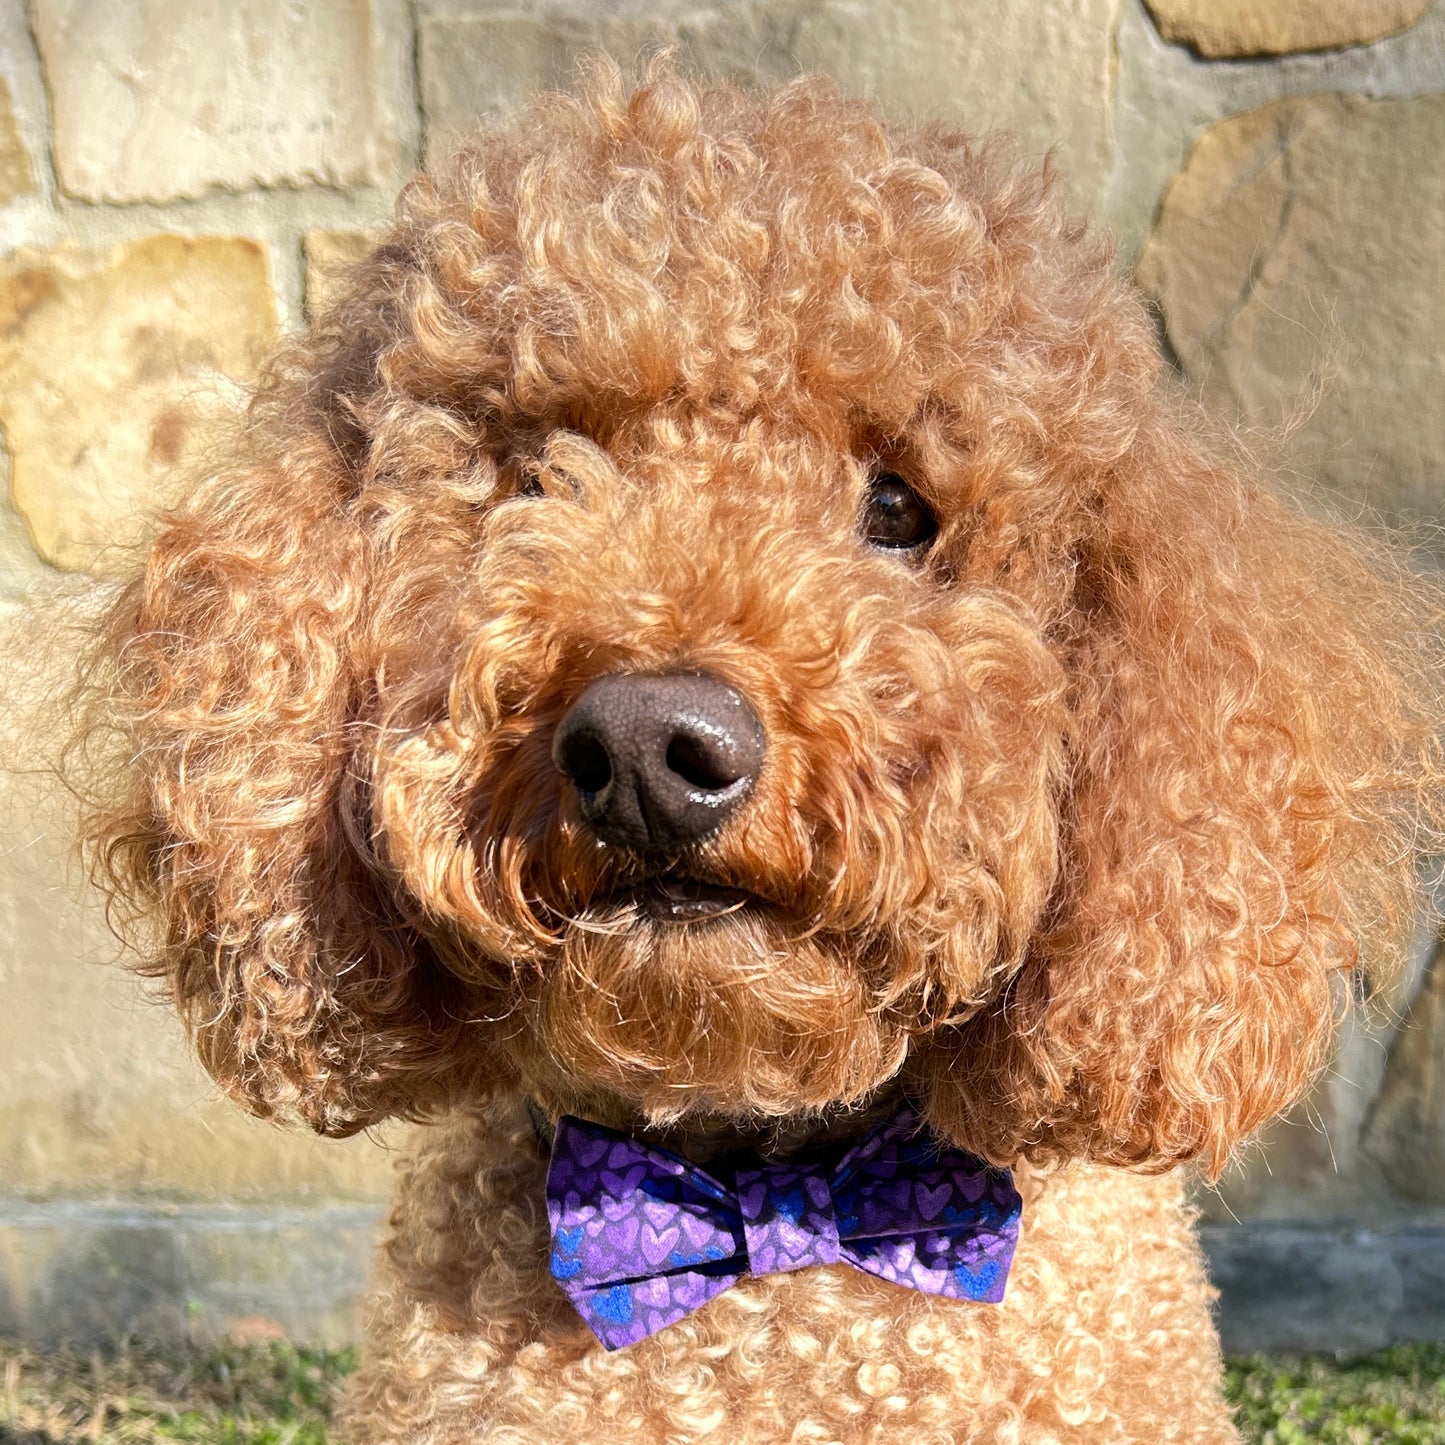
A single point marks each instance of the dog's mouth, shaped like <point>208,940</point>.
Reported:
<point>680,898</point>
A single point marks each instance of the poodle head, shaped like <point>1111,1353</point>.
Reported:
<point>722,619</point>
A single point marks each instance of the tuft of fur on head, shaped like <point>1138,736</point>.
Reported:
<point>1066,825</point>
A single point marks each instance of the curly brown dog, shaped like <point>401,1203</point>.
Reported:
<point>721,632</point>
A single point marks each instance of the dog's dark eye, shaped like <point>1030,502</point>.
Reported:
<point>895,515</point>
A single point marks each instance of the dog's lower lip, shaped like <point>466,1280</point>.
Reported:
<point>688,900</point>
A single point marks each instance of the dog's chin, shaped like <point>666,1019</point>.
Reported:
<point>679,998</point>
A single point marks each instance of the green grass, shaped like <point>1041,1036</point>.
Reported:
<point>270,1394</point>
<point>275,1394</point>
<point>1395,1397</point>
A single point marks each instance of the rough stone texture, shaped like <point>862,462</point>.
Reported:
<point>1166,96</point>
<point>1407,1132</point>
<point>98,1093</point>
<point>109,365</point>
<point>477,69</point>
<point>328,254</point>
<point>1041,71</point>
<point>17,175</point>
<point>1249,27</point>
<point>155,99</point>
<point>1297,262</point>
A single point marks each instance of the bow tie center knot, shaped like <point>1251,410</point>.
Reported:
<point>788,1218</point>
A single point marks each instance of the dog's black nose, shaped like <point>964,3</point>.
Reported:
<point>659,761</point>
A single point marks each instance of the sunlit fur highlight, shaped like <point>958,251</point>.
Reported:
<point>1070,828</point>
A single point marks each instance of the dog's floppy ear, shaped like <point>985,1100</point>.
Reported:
<point>232,678</point>
<point>1254,748</point>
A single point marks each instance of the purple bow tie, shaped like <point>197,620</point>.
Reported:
<point>641,1237</point>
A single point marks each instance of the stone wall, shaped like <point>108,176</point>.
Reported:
<point>179,180</point>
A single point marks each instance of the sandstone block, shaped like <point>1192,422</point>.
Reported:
<point>1297,261</point>
<point>158,99</point>
<point>477,69</point>
<point>1218,28</point>
<point>17,175</point>
<point>1040,71</point>
<point>110,365</point>
<point>328,255</point>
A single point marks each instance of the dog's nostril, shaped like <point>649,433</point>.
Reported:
<point>696,760</point>
<point>585,761</point>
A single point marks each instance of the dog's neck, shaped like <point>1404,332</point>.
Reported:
<point>703,1138</point>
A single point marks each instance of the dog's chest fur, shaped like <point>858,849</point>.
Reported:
<point>1105,1322</point>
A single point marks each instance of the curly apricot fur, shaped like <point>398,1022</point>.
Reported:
<point>1067,828</point>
